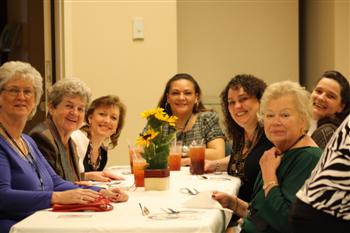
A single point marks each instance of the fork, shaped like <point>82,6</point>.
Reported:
<point>170,211</point>
<point>144,210</point>
<point>192,191</point>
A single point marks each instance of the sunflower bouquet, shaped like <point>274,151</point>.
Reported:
<point>155,141</point>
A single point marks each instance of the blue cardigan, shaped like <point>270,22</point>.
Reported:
<point>21,192</point>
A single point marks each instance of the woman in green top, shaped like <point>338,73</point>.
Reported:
<point>286,112</point>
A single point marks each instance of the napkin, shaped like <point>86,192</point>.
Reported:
<point>203,200</point>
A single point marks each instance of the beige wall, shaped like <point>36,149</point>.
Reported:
<point>218,39</point>
<point>327,39</point>
<point>213,40</point>
<point>99,49</point>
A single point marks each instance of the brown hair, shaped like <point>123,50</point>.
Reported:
<point>108,101</point>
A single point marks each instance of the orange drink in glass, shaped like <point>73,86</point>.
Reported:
<point>196,154</point>
<point>174,160</point>
<point>139,171</point>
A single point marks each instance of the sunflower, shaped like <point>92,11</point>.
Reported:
<point>146,137</point>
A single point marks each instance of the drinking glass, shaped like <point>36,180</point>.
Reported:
<point>196,153</point>
<point>175,156</point>
<point>134,151</point>
<point>139,165</point>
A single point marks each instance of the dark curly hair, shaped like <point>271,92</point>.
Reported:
<point>107,101</point>
<point>199,107</point>
<point>254,87</point>
<point>344,94</point>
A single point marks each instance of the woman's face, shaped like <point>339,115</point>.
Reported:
<point>282,122</point>
<point>104,121</point>
<point>326,98</point>
<point>182,97</point>
<point>68,115</point>
<point>17,98</point>
<point>243,108</point>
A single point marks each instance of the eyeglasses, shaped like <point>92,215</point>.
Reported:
<point>15,91</point>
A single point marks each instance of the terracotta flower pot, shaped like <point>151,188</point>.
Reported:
<point>156,179</point>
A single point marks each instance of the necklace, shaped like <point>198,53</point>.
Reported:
<point>13,140</point>
<point>298,140</point>
<point>237,160</point>
<point>249,143</point>
<point>186,123</point>
<point>94,165</point>
<point>182,136</point>
<point>27,156</point>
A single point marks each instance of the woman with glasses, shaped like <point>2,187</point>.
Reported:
<point>67,100</point>
<point>240,101</point>
<point>27,181</point>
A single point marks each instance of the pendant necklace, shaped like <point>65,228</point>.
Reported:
<point>182,136</point>
<point>30,159</point>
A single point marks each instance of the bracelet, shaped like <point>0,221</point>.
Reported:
<point>269,184</point>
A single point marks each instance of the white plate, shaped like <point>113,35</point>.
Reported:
<point>183,215</point>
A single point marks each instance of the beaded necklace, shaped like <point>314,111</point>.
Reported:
<point>94,165</point>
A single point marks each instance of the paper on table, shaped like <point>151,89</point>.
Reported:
<point>203,200</point>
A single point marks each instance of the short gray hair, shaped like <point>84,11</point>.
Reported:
<point>71,87</point>
<point>26,71</point>
<point>284,88</point>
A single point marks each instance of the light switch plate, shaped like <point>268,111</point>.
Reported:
<point>138,29</point>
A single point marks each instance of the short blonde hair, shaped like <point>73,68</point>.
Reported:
<point>284,88</point>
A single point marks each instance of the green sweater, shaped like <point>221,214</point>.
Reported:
<point>273,210</point>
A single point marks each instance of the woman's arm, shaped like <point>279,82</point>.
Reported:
<point>215,149</point>
<point>216,165</point>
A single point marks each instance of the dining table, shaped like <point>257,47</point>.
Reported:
<point>146,211</point>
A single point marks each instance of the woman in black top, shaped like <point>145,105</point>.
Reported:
<point>240,103</point>
<point>104,122</point>
<point>331,104</point>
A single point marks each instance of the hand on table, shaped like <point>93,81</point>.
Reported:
<point>115,194</point>
<point>104,176</point>
<point>225,200</point>
<point>74,196</point>
<point>209,166</point>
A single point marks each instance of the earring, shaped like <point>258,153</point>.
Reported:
<point>167,107</point>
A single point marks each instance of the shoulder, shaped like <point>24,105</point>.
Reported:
<point>327,127</point>
<point>307,154</point>
<point>39,128</point>
<point>208,116</point>
<point>79,136</point>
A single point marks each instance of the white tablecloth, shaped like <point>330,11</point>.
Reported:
<point>127,217</point>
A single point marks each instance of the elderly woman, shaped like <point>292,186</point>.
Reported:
<point>27,181</point>
<point>104,122</point>
<point>182,98</point>
<point>286,112</point>
<point>67,100</point>
<point>240,102</point>
<point>331,105</point>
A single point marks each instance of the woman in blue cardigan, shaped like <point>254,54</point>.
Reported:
<point>27,181</point>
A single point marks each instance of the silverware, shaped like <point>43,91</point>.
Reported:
<point>191,191</point>
<point>144,210</point>
<point>170,211</point>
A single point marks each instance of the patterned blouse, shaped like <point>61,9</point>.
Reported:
<point>205,128</point>
<point>328,188</point>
